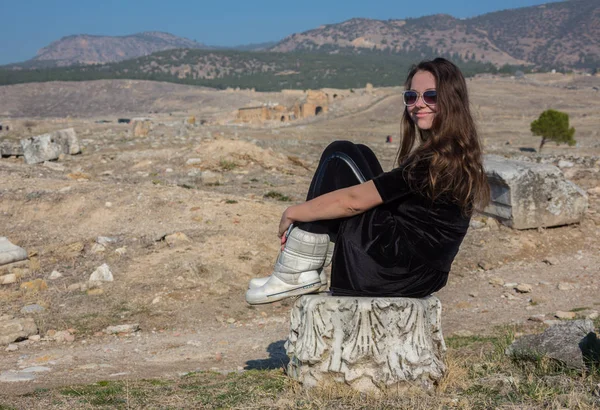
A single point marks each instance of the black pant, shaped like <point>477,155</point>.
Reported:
<point>355,270</point>
<point>342,164</point>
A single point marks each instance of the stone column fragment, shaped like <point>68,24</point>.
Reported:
<point>371,344</point>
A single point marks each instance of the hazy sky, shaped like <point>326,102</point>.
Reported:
<point>28,25</point>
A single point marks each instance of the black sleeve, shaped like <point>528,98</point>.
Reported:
<point>392,185</point>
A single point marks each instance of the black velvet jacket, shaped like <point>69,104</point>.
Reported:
<point>404,247</point>
<point>430,230</point>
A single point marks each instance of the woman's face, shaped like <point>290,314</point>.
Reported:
<point>421,113</point>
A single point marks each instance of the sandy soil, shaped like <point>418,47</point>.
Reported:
<point>186,292</point>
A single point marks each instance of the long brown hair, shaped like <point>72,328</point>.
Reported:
<point>451,151</point>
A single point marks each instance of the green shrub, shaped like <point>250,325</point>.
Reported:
<point>553,125</point>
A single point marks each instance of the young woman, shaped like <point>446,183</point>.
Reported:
<point>396,233</point>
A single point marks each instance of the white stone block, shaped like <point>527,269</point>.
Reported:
<point>370,344</point>
<point>10,253</point>
<point>529,195</point>
<point>49,146</point>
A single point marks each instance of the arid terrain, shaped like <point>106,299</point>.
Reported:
<point>189,214</point>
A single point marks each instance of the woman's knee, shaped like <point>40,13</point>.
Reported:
<point>339,146</point>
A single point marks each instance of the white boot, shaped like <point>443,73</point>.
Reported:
<point>258,282</point>
<point>297,269</point>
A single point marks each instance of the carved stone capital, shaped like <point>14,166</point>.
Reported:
<point>368,343</point>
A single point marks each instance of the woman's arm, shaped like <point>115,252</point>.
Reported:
<point>341,203</point>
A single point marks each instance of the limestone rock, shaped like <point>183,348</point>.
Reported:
<point>106,240</point>
<point>565,164</point>
<point>55,166</point>
<point>141,128</point>
<point>371,344</point>
<point>31,309</point>
<point>565,286</point>
<point>524,288</point>
<point>211,178</point>
<point>9,148</point>
<point>101,274</point>
<point>177,238</point>
<point>97,248</point>
<point>14,329</point>
<point>193,161</point>
<point>565,315</point>
<point>530,195</point>
<point>8,279</point>
<point>111,330</point>
<point>55,275</point>
<point>10,253</point>
<point>572,343</point>
<point>49,146</point>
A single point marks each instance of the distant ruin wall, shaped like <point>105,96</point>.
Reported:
<point>316,102</point>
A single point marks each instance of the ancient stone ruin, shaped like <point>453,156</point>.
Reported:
<point>315,102</point>
<point>529,195</point>
<point>370,344</point>
<point>47,147</point>
<point>261,114</point>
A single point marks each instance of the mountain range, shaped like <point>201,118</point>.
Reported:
<point>87,49</point>
<point>558,35</point>
<point>564,35</point>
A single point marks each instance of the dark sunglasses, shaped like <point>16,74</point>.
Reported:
<point>411,97</point>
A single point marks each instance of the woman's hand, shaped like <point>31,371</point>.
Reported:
<point>284,224</point>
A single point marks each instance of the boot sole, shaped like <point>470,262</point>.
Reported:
<point>274,297</point>
<point>258,282</point>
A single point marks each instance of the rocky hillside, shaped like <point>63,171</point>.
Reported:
<point>554,35</point>
<point>86,49</point>
<point>263,71</point>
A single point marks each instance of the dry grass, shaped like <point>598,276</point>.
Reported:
<point>479,376</point>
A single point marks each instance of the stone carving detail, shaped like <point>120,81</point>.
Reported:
<point>369,343</point>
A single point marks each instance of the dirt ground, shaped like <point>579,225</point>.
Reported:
<point>186,291</point>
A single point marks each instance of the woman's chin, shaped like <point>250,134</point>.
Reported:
<point>424,125</point>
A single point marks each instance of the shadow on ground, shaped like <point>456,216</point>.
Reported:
<point>276,360</point>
